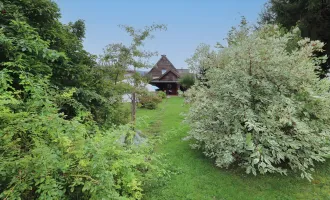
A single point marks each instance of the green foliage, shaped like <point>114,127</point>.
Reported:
<point>311,16</point>
<point>57,111</point>
<point>119,58</point>
<point>149,100</point>
<point>78,28</point>
<point>187,81</point>
<point>75,69</point>
<point>264,107</point>
<point>161,94</point>
<point>44,156</point>
<point>200,62</point>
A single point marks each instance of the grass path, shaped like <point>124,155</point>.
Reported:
<point>200,180</point>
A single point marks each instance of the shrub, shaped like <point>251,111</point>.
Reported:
<point>161,94</point>
<point>263,106</point>
<point>182,94</point>
<point>187,81</point>
<point>149,100</point>
<point>45,156</point>
<point>150,105</point>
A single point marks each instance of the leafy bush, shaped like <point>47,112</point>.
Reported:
<point>149,100</point>
<point>187,81</point>
<point>44,156</point>
<point>263,106</point>
<point>150,105</point>
<point>47,154</point>
<point>161,94</point>
<point>182,94</point>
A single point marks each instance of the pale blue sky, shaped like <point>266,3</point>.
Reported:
<point>189,22</point>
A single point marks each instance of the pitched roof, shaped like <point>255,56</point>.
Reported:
<point>164,61</point>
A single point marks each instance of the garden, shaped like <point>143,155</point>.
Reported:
<point>251,122</point>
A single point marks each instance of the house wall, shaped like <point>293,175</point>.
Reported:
<point>172,74</point>
<point>169,88</point>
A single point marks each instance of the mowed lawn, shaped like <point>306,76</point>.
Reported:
<point>199,179</point>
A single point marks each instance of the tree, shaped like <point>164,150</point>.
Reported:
<point>264,107</point>
<point>79,70</point>
<point>187,80</point>
<point>78,28</point>
<point>120,57</point>
<point>311,16</point>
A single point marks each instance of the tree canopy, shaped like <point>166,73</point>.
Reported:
<point>311,16</point>
<point>187,81</point>
<point>76,69</point>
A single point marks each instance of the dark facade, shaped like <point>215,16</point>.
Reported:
<point>165,76</point>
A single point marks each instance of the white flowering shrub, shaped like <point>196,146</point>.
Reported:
<point>262,107</point>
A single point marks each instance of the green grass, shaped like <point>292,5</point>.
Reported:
<point>199,179</point>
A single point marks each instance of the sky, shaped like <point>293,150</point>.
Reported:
<point>189,22</point>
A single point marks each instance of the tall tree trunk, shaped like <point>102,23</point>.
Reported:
<point>116,79</point>
<point>133,114</point>
<point>133,107</point>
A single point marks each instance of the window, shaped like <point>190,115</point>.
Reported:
<point>163,71</point>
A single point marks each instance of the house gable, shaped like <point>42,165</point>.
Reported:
<point>169,76</point>
<point>162,66</point>
<point>165,62</point>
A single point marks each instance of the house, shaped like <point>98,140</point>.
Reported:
<point>165,76</point>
